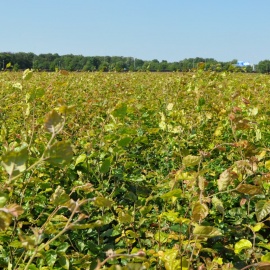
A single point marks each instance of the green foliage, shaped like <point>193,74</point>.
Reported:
<point>134,170</point>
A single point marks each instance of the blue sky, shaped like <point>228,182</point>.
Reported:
<point>147,29</point>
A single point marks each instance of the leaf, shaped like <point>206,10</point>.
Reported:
<point>17,86</point>
<point>53,122</point>
<point>267,164</point>
<point>249,189</point>
<point>120,111</point>
<point>51,257</point>
<point>15,210</point>
<point>170,106</point>
<point>36,93</point>
<point>124,217</point>
<point>63,261</point>
<point>217,203</point>
<point>266,257</point>
<point>242,244</point>
<point>105,167</point>
<point>124,142</point>
<point>199,211</point>
<point>62,248</point>
<point>5,220</point>
<point>173,193</point>
<point>14,161</point>
<point>3,199</point>
<point>224,180</point>
<point>59,153</point>
<point>80,159</point>
<point>59,197</point>
<point>190,161</point>
<point>262,209</point>
<point>257,227</point>
<point>27,74</point>
<point>103,202</point>
<point>206,231</point>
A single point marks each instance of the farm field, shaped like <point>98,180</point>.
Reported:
<point>134,170</point>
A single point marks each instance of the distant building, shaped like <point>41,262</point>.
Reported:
<point>244,64</point>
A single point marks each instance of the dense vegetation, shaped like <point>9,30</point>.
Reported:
<point>52,62</point>
<point>142,170</point>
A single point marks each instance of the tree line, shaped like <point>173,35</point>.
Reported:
<point>70,62</point>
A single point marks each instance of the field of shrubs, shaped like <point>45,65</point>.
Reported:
<point>134,170</point>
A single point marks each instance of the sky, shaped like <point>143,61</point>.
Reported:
<point>169,30</point>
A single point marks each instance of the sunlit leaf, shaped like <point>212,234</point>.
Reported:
<point>173,193</point>
<point>27,74</point>
<point>249,189</point>
<point>59,153</point>
<point>51,257</point>
<point>17,86</point>
<point>217,203</point>
<point>262,209</point>
<point>199,211</point>
<point>103,202</point>
<point>257,227</point>
<point>14,161</point>
<point>241,245</point>
<point>53,122</point>
<point>224,180</point>
<point>3,199</point>
<point>80,159</point>
<point>206,231</point>
<point>5,220</point>
<point>59,197</point>
<point>189,161</point>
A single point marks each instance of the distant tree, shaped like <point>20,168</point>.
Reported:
<point>263,66</point>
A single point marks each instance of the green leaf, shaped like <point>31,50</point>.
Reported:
<point>53,122</point>
<point>51,257</point>
<point>36,93</point>
<point>16,244</point>
<point>224,180</point>
<point>5,220</point>
<point>262,209</point>
<point>217,203</point>
<point>257,227</point>
<point>62,248</point>
<point>103,202</point>
<point>173,193</point>
<point>80,159</point>
<point>267,164</point>
<point>170,216</point>
<point>3,199</point>
<point>63,261</point>
<point>266,257</point>
<point>59,197</point>
<point>199,211</point>
<point>190,161</point>
<point>27,74</point>
<point>124,217</point>
<point>59,153</point>
<point>206,231</point>
<point>120,111</point>
<point>161,237</point>
<point>266,246</point>
<point>242,244</point>
<point>124,142</point>
<point>105,167</point>
<point>14,161</point>
<point>17,86</point>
